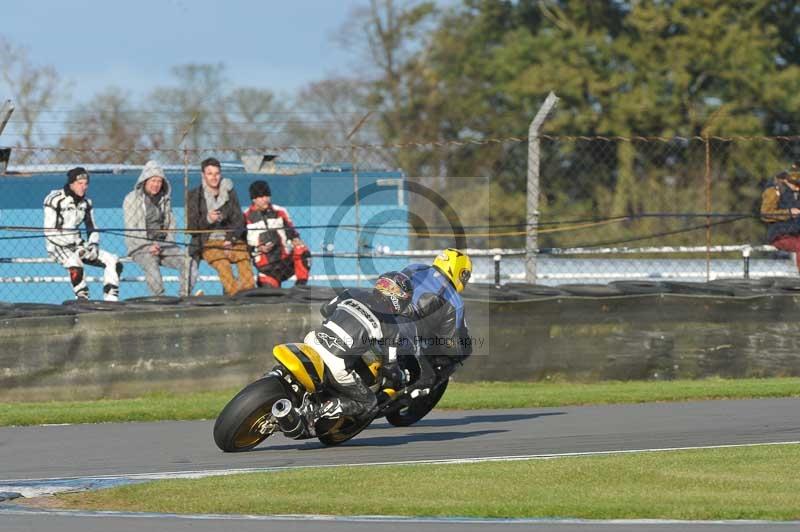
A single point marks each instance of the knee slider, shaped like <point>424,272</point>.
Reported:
<point>267,280</point>
<point>75,275</point>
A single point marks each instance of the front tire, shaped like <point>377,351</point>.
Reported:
<point>418,409</point>
<point>341,435</point>
<point>240,426</point>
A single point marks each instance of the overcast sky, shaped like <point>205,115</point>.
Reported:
<point>278,45</point>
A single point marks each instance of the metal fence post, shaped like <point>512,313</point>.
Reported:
<point>356,187</point>
<point>746,257</point>
<point>5,114</point>
<point>187,238</point>
<point>531,240</point>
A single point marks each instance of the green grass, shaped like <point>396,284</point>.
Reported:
<point>734,483</point>
<point>526,394</point>
<point>206,405</point>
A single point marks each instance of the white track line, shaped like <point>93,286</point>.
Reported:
<point>48,486</point>
<point>17,510</point>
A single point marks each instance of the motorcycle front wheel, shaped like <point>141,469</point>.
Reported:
<point>418,409</point>
<point>247,419</point>
<point>345,430</point>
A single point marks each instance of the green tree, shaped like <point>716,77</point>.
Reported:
<point>647,68</point>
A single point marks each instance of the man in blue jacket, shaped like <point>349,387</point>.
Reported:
<point>437,303</point>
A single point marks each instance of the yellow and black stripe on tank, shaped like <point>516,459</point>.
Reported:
<point>303,362</point>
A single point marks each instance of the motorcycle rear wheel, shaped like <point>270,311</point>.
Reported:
<point>239,427</point>
<point>418,409</point>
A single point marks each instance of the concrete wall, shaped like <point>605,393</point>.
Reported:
<point>658,336</point>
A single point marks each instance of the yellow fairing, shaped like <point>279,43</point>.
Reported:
<point>303,362</point>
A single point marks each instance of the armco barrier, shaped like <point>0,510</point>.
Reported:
<point>519,333</point>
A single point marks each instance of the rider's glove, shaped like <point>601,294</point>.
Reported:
<point>395,376</point>
<point>90,252</point>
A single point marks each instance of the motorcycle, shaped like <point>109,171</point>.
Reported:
<point>282,400</point>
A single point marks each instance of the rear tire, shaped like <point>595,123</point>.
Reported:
<point>418,409</point>
<point>238,426</point>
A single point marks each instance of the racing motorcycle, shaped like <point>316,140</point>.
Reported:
<point>284,398</point>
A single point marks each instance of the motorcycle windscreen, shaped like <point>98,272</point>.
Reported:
<point>303,362</point>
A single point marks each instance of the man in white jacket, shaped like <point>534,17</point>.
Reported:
<point>65,210</point>
<point>150,230</point>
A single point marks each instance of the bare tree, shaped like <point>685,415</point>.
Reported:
<point>192,107</point>
<point>252,118</point>
<point>107,129</point>
<point>33,90</point>
<point>392,38</point>
<point>327,111</point>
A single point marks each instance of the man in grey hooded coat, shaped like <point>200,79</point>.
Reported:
<point>150,230</point>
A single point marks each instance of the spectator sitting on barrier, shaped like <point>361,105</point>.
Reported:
<point>150,231</point>
<point>216,216</point>
<point>65,210</point>
<point>269,229</point>
<point>780,209</point>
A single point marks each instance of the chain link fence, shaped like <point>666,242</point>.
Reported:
<point>610,208</point>
<point>675,208</point>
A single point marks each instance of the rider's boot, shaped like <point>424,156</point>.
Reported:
<point>355,400</point>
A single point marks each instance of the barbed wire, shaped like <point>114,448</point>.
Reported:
<point>89,118</point>
<point>441,143</point>
<point>39,232</point>
<point>660,234</point>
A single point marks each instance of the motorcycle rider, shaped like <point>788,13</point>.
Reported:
<point>437,304</point>
<point>359,321</point>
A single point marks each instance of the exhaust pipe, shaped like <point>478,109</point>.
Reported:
<point>289,419</point>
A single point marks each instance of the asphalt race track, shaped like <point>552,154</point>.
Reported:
<point>28,455</point>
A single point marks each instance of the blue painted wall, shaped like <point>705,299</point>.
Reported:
<point>314,200</point>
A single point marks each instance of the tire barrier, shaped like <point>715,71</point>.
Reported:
<point>487,292</point>
<point>738,282</point>
<point>786,284</point>
<point>700,289</point>
<point>153,300</point>
<point>208,301</point>
<point>90,305</point>
<point>526,291</point>
<point>30,310</point>
<point>510,292</point>
<point>311,294</point>
<point>746,287</point>
<point>639,287</point>
<point>590,290</point>
<point>265,294</point>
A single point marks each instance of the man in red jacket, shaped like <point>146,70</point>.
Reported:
<point>269,231</point>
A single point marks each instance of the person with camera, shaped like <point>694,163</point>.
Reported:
<point>218,230</point>
<point>780,210</point>
<point>276,248</point>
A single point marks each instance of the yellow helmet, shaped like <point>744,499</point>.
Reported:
<point>455,265</point>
